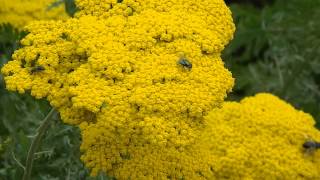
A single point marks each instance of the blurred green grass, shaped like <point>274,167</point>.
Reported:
<point>275,49</point>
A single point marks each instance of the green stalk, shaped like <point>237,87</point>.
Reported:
<point>35,144</point>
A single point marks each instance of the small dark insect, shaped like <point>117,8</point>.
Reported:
<point>185,63</point>
<point>37,69</point>
<point>311,145</point>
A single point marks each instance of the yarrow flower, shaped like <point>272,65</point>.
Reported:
<point>261,137</point>
<point>138,78</point>
<point>20,12</point>
<point>119,75</point>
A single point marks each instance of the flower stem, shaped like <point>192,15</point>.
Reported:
<point>35,144</point>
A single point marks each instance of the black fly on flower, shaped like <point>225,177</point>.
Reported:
<point>185,63</point>
<point>311,145</point>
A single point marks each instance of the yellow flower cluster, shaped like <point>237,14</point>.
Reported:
<point>139,78</point>
<point>261,137</point>
<point>20,12</point>
<point>131,81</point>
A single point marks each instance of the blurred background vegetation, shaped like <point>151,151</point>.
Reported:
<point>276,49</point>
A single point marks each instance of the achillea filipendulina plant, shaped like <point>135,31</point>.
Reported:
<point>20,12</point>
<point>119,76</point>
<point>138,78</point>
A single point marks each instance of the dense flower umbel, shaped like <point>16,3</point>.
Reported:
<point>261,138</point>
<point>21,12</point>
<point>119,76</point>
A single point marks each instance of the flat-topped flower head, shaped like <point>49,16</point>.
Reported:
<point>134,82</point>
<point>208,23</point>
<point>20,12</point>
<point>262,137</point>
